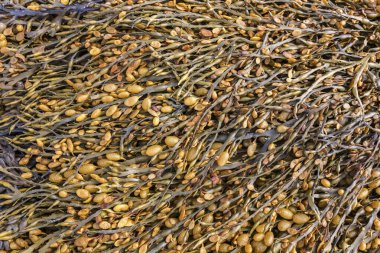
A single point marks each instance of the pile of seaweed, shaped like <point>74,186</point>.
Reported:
<point>190,126</point>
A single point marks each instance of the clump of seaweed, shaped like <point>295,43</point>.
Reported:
<point>190,126</point>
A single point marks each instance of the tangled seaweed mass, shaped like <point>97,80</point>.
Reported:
<point>190,126</point>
